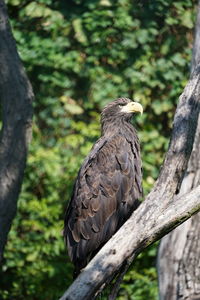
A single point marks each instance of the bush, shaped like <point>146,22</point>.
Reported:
<point>80,55</point>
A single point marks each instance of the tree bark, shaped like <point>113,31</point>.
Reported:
<point>128,242</point>
<point>158,214</point>
<point>16,98</point>
<point>178,256</point>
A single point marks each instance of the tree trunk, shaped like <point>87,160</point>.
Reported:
<point>178,256</point>
<point>16,106</point>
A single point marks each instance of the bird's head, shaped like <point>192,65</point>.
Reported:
<point>119,110</point>
<point>122,108</point>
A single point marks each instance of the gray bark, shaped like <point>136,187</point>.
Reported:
<point>178,256</point>
<point>158,214</point>
<point>16,104</point>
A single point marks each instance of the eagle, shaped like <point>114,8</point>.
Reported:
<point>108,185</point>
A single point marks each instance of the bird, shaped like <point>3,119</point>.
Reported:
<point>108,186</point>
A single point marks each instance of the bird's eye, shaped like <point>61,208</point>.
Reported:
<point>122,104</point>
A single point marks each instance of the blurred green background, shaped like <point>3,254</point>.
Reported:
<point>79,55</point>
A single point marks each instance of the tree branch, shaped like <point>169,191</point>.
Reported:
<point>16,100</point>
<point>137,233</point>
<point>176,263</point>
<point>157,215</point>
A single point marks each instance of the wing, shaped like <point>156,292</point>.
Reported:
<point>105,194</point>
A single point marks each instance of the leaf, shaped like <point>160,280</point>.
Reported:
<point>71,106</point>
<point>79,33</point>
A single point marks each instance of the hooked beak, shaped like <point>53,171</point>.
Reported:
<point>132,107</point>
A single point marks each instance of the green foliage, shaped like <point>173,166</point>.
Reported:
<point>80,55</point>
<point>141,281</point>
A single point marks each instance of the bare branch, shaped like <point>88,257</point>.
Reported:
<point>137,233</point>
<point>157,215</point>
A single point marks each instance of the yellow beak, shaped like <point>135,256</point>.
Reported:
<point>132,107</point>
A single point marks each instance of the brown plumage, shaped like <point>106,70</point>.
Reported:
<point>108,185</point>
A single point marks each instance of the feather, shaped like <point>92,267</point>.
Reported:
<point>107,187</point>
<point>95,204</point>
